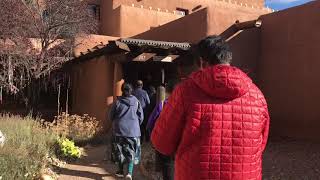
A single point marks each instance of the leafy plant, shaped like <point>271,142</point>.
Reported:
<point>67,149</point>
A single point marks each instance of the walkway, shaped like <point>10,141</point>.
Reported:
<point>283,159</point>
<point>92,166</point>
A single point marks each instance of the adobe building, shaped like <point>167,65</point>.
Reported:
<point>178,21</point>
<point>141,38</point>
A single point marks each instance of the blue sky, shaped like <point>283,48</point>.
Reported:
<point>283,4</point>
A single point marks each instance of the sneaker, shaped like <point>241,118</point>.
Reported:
<point>119,174</point>
<point>129,177</point>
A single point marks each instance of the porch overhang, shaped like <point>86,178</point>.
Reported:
<point>140,50</point>
<point>134,50</point>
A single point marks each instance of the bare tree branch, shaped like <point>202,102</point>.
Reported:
<point>39,36</point>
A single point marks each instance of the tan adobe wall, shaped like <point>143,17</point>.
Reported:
<point>190,28</point>
<point>131,17</point>
<point>110,21</point>
<point>126,21</point>
<point>187,4</point>
<point>92,91</point>
<point>288,70</point>
<point>223,14</point>
<point>212,20</point>
<point>135,20</point>
<point>246,49</point>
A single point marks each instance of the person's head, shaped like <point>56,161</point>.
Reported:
<point>187,63</point>
<point>139,84</point>
<point>149,77</point>
<point>214,50</point>
<point>171,84</point>
<point>126,89</point>
<point>152,90</point>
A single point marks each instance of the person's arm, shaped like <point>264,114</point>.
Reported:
<point>153,117</point>
<point>265,132</point>
<point>168,129</point>
<point>140,113</point>
<point>112,111</point>
<point>147,99</point>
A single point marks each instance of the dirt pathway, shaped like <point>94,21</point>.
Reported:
<point>92,166</point>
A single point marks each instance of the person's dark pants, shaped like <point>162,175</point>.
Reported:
<point>146,134</point>
<point>166,164</point>
<point>143,132</point>
<point>143,128</point>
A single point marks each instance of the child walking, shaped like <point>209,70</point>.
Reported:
<point>126,115</point>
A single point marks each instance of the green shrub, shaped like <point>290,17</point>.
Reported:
<point>26,147</point>
<point>68,150</point>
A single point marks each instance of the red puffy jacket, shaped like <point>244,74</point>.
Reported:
<point>216,123</point>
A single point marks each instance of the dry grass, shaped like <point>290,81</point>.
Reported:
<point>80,129</point>
<point>26,148</point>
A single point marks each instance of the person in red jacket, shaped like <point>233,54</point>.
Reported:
<point>216,122</point>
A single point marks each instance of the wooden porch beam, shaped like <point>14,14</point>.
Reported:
<point>169,58</point>
<point>144,57</point>
<point>120,45</point>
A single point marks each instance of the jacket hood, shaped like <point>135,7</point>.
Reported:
<point>128,101</point>
<point>222,81</point>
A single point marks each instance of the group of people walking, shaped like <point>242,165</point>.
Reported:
<point>212,125</point>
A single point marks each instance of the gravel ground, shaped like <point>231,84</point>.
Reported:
<point>148,159</point>
<point>293,160</point>
<point>284,159</point>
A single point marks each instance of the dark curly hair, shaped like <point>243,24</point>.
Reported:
<point>126,89</point>
<point>171,84</point>
<point>214,50</point>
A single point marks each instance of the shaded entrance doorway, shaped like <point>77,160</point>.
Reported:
<point>151,73</point>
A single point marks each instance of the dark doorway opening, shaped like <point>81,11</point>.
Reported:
<point>149,72</point>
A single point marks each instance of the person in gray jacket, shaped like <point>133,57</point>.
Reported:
<point>126,115</point>
<point>144,100</point>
